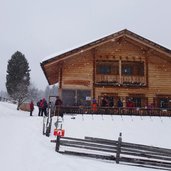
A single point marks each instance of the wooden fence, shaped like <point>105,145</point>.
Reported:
<point>118,151</point>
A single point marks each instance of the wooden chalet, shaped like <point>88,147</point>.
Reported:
<point>122,66</point>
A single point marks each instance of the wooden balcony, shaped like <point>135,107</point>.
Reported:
<point>103,80</point>
<point>116,80</point>
<point>137,81</point>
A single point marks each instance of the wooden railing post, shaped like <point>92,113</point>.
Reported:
<point>57,143</point>
<point>119,148</point>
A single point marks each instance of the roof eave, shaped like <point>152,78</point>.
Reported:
<point>44,71</point>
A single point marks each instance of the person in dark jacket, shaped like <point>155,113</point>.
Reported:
<point>105,102</point>
<point>40,109</point>
<point>58,104</point>
<point>43,106</point>
<point>120,105</point>
<point>31,108</point>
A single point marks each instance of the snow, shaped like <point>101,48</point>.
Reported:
<point>57,54</point>
<point>24,148</point>
<point>60,52</point>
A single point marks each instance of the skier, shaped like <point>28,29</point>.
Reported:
<point>31,108</point>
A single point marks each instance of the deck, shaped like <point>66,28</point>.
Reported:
<point>116,111</point>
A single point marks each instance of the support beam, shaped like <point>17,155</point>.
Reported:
<point>94,72</point>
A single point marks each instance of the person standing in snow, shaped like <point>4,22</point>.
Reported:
<point>43,106</point>
<point>31,108</point>
<point>58,104</point>
<point>40,109</point>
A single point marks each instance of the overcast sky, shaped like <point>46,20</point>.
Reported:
<point>39,28</point>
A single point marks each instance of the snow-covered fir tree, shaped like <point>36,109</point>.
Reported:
<point>18,77</point>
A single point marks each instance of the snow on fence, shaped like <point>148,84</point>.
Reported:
<point>118,151</point>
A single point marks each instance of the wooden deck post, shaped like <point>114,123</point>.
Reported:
<point>94,73</point>
<point>57,143</point>
<point>118,148</point>
<point>120,71</point>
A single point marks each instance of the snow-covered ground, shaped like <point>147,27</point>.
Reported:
<point>24,148</point>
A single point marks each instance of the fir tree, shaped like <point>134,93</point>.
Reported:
<point>18,77</point>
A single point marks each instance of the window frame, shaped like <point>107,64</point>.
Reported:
<point>112,67</point>
<point>136,68</point>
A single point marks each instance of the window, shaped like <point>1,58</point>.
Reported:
<point>76,97</point>
<point>163,102</point>
<point>139,68</point>
<point>127,70</point>
<point>138,100</point>
<point>133,68</point>
<point>68,97</point>
<point>104,69</point>
<point>81,97</point>
<point>107,68</point>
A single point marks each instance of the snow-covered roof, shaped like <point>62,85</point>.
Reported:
<point>68,49</point>
<point>55,58</point>
<point>59,53</point>
<point>125,31</point>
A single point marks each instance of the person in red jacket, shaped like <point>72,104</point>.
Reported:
<point>31,107</point>
<point>94,106</point>
<point>43,106</point>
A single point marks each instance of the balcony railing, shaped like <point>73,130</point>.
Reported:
<point>116,80</point>
<point>115,111</point>
<point>133,80</point>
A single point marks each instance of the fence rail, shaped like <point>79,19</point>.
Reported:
<point>116,150</point>
<point>116,111</point>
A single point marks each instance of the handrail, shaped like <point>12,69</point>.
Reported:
<point>117,111</point>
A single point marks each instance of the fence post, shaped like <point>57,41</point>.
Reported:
<point>119,148</point>
<point>57,143</point>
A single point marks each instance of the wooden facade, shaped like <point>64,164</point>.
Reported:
<point>122,66</point>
